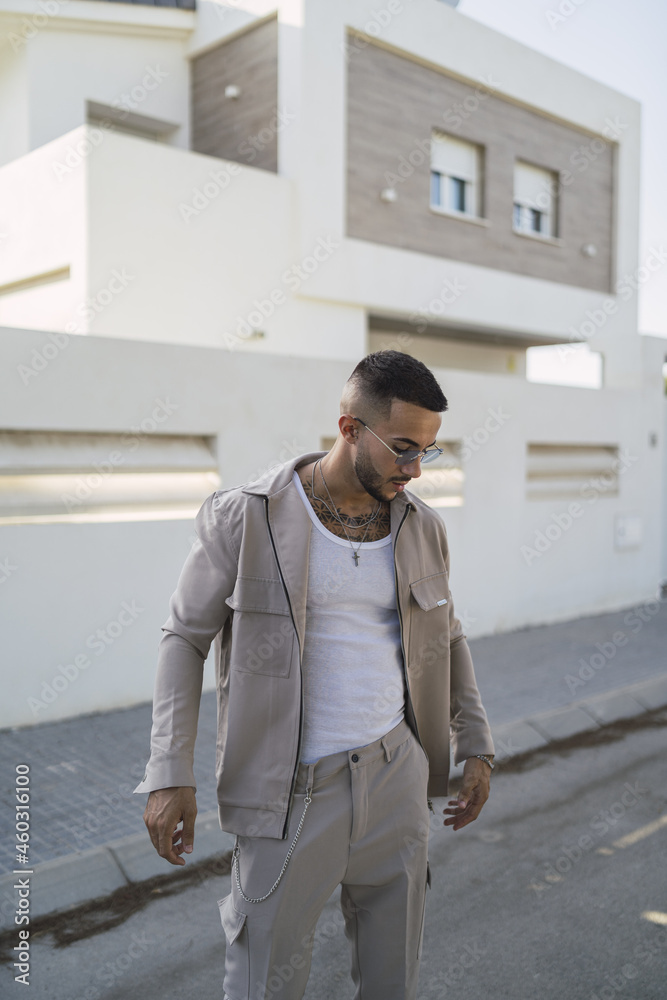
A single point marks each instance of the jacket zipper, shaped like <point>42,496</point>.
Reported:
<point>400,621</point>
<point>289,603</point>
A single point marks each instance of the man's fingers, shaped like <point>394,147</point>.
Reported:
<point>176,842</point>
<point>188,832</point>
<point>468,805</point>
<point>461,817</point>
<point>166,848</point>
<point>165,810</point>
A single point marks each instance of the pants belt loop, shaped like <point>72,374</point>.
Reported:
<point>387,749</point>
<point>309,775</point>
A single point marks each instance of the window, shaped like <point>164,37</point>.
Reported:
<point>455,175</point>
<point>535,200</point>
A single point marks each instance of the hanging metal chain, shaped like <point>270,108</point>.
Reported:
<point>236,852</point>
<point>355,552</point>
<point>360,521</point>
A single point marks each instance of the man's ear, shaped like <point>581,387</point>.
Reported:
<point>352,433</point>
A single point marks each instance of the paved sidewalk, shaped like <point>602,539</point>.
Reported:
<point>87,834</point>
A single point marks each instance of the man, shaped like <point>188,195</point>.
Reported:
<point>342,672</point>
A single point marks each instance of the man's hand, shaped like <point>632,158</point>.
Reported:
<point>165,809</point>
<point>473,794</point>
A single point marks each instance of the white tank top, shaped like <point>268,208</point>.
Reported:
<point>353,686</point>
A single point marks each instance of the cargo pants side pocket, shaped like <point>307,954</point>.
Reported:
<point>236,983</point>
<point>421,929</point>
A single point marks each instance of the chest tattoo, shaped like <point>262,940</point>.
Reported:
<point>356,527</point>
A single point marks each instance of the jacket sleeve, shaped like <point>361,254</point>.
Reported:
<point>197,613</point>
<point>470,733</point>
<point>469,727</point>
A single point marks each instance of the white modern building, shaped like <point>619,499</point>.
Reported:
<point>208,216</point>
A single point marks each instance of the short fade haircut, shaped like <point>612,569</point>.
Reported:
<point>384,376</point>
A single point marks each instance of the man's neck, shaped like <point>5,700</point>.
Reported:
<point>329,509</point>
<point>337,484</point>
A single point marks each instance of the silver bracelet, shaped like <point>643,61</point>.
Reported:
<point>487,760</point>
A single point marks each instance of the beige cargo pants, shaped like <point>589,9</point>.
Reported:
<point>365,829</point>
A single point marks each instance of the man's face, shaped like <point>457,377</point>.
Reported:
<point>408,428</point>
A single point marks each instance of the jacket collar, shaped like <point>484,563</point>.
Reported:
<point>278,477</point>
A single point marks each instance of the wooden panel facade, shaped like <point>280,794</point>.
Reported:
<point>394,103</point>
<point>243,129</point>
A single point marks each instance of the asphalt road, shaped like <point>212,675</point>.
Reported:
<point>557,892</point>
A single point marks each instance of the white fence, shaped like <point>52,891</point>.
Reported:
<point>83,596</point>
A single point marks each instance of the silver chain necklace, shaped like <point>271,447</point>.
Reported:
<point>334,512</point>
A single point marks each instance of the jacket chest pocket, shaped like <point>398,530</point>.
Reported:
<point>429,620</point>
<point>262,640</point>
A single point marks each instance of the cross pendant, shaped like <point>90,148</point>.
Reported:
<point>355,556</point>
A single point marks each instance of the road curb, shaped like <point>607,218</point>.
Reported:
<point>64,883</point>
<point>539,730</point>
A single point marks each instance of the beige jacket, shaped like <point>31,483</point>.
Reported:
<point>243,587</point>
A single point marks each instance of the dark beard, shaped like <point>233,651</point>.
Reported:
<point>370,480</point>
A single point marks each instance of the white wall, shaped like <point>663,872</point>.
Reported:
<point>203,279</point>
<point>68,580</point>
<point>581,572</point>
<point>147,75</point>
<point>44,219</point>
<point>90,50</point>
